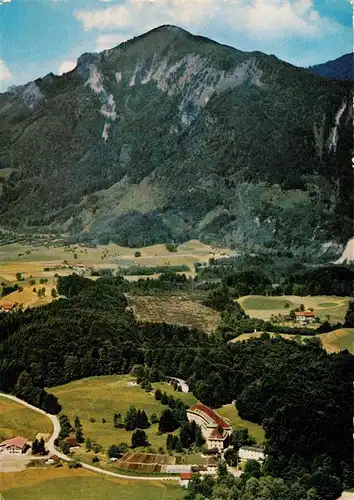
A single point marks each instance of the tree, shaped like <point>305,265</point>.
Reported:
<point>253,468</point>
<point>41,447</point>
<point>142,421</point>
<point>137,254</point>
<point>349,317</point>
<point>35,447</point>
<point>158,394</point>
<point>54,293</point>
<point>115,451</point>
<point>65,427</point>
<point>164,398</point>
<point>199,438</point>
<point>154,418</point>
<point>222,469</point>
<point>117,421</point>
<point>167,422</point>
<point>88,444</point>
<point>130,419</point>
<point>78,430</point>
<point>95,459</point>
<point>241,437</point>
<point>171,402</point>
<point>19,277</point>
<point>139,438</point>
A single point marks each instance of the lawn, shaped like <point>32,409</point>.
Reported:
<point>176,310</point>
<point>230,412</point>
<point>16,420</point>
<point>80,484</point>
<point>101,397</point>
<point>259,306</point>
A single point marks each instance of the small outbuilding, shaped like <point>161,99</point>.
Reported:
<point>184,479</point>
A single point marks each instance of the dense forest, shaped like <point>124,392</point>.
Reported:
<point>301,395</point>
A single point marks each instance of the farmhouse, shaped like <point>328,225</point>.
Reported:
<point>216,430</point>
<point>305,316</point>
<point>251,453</point>
<point>16,445</point>
<point>7,307</point>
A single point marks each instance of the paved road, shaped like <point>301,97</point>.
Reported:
<point>54,451</point>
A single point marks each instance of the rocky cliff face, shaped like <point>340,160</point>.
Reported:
<point>171,136</point>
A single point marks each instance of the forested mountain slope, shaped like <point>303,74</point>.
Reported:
<point>171,136</point>
<point>340,68</point>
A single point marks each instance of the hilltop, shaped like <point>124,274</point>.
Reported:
<point>170,137</point>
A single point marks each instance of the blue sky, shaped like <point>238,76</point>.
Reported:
<point>39,36</point>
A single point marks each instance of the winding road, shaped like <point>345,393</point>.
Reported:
<point>54,451</point>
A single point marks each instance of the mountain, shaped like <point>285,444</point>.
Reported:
<point>171,136</point>
<point>340,68</point>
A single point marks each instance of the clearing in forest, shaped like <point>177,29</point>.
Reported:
<point>175,310</point>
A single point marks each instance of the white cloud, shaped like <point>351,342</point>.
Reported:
<point>108,41</point>
<point>5,73</point>
<point>66,66</point>
<point>257,18</point>
<point>4,1</point>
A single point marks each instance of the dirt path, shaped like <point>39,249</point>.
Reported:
<point>54,451</point>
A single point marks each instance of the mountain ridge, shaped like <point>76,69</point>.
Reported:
<point>170,136</point>
<point>340,68</point>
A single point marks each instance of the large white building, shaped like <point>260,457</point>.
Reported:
<point>16,445</point>
<point>251,453</point>
<point>216,430</point>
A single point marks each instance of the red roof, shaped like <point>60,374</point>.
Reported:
<point>211,414</point>
<point>307,314</point>
<point>72,441</point>
<point>215,434</point>
<point>54,457</point>
<point>18,442</point>
<point>7,305</point>
<point>185,475</point>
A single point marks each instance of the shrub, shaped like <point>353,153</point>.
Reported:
<point>137,254</point>
<point>95,459</point>
<point>171,247</point>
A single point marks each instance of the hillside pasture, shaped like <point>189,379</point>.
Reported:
<point>230,412</point>
<point>175,310</point>
<point>81,484</point>
<point>17,420</point>
<point>335,341</point>
<point>101,397</point>
<point>263,307</point>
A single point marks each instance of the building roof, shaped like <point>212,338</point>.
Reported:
<point>72,441</point>
<point>215,434</point>
<point>7,305</point>
<point>211,415</point>
<point>307,314</point>
<point>253,448</point>
<point>185,475</point>
<point>18,442</point>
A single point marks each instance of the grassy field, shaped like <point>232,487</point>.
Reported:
<point>229,411</point>
<point>30,261</point>
<point>335,341</point>
<point>81,484</point>
<point>175,310</point>
<point>17,420</point>
<point>101,397</point>
<point>259,306</point>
